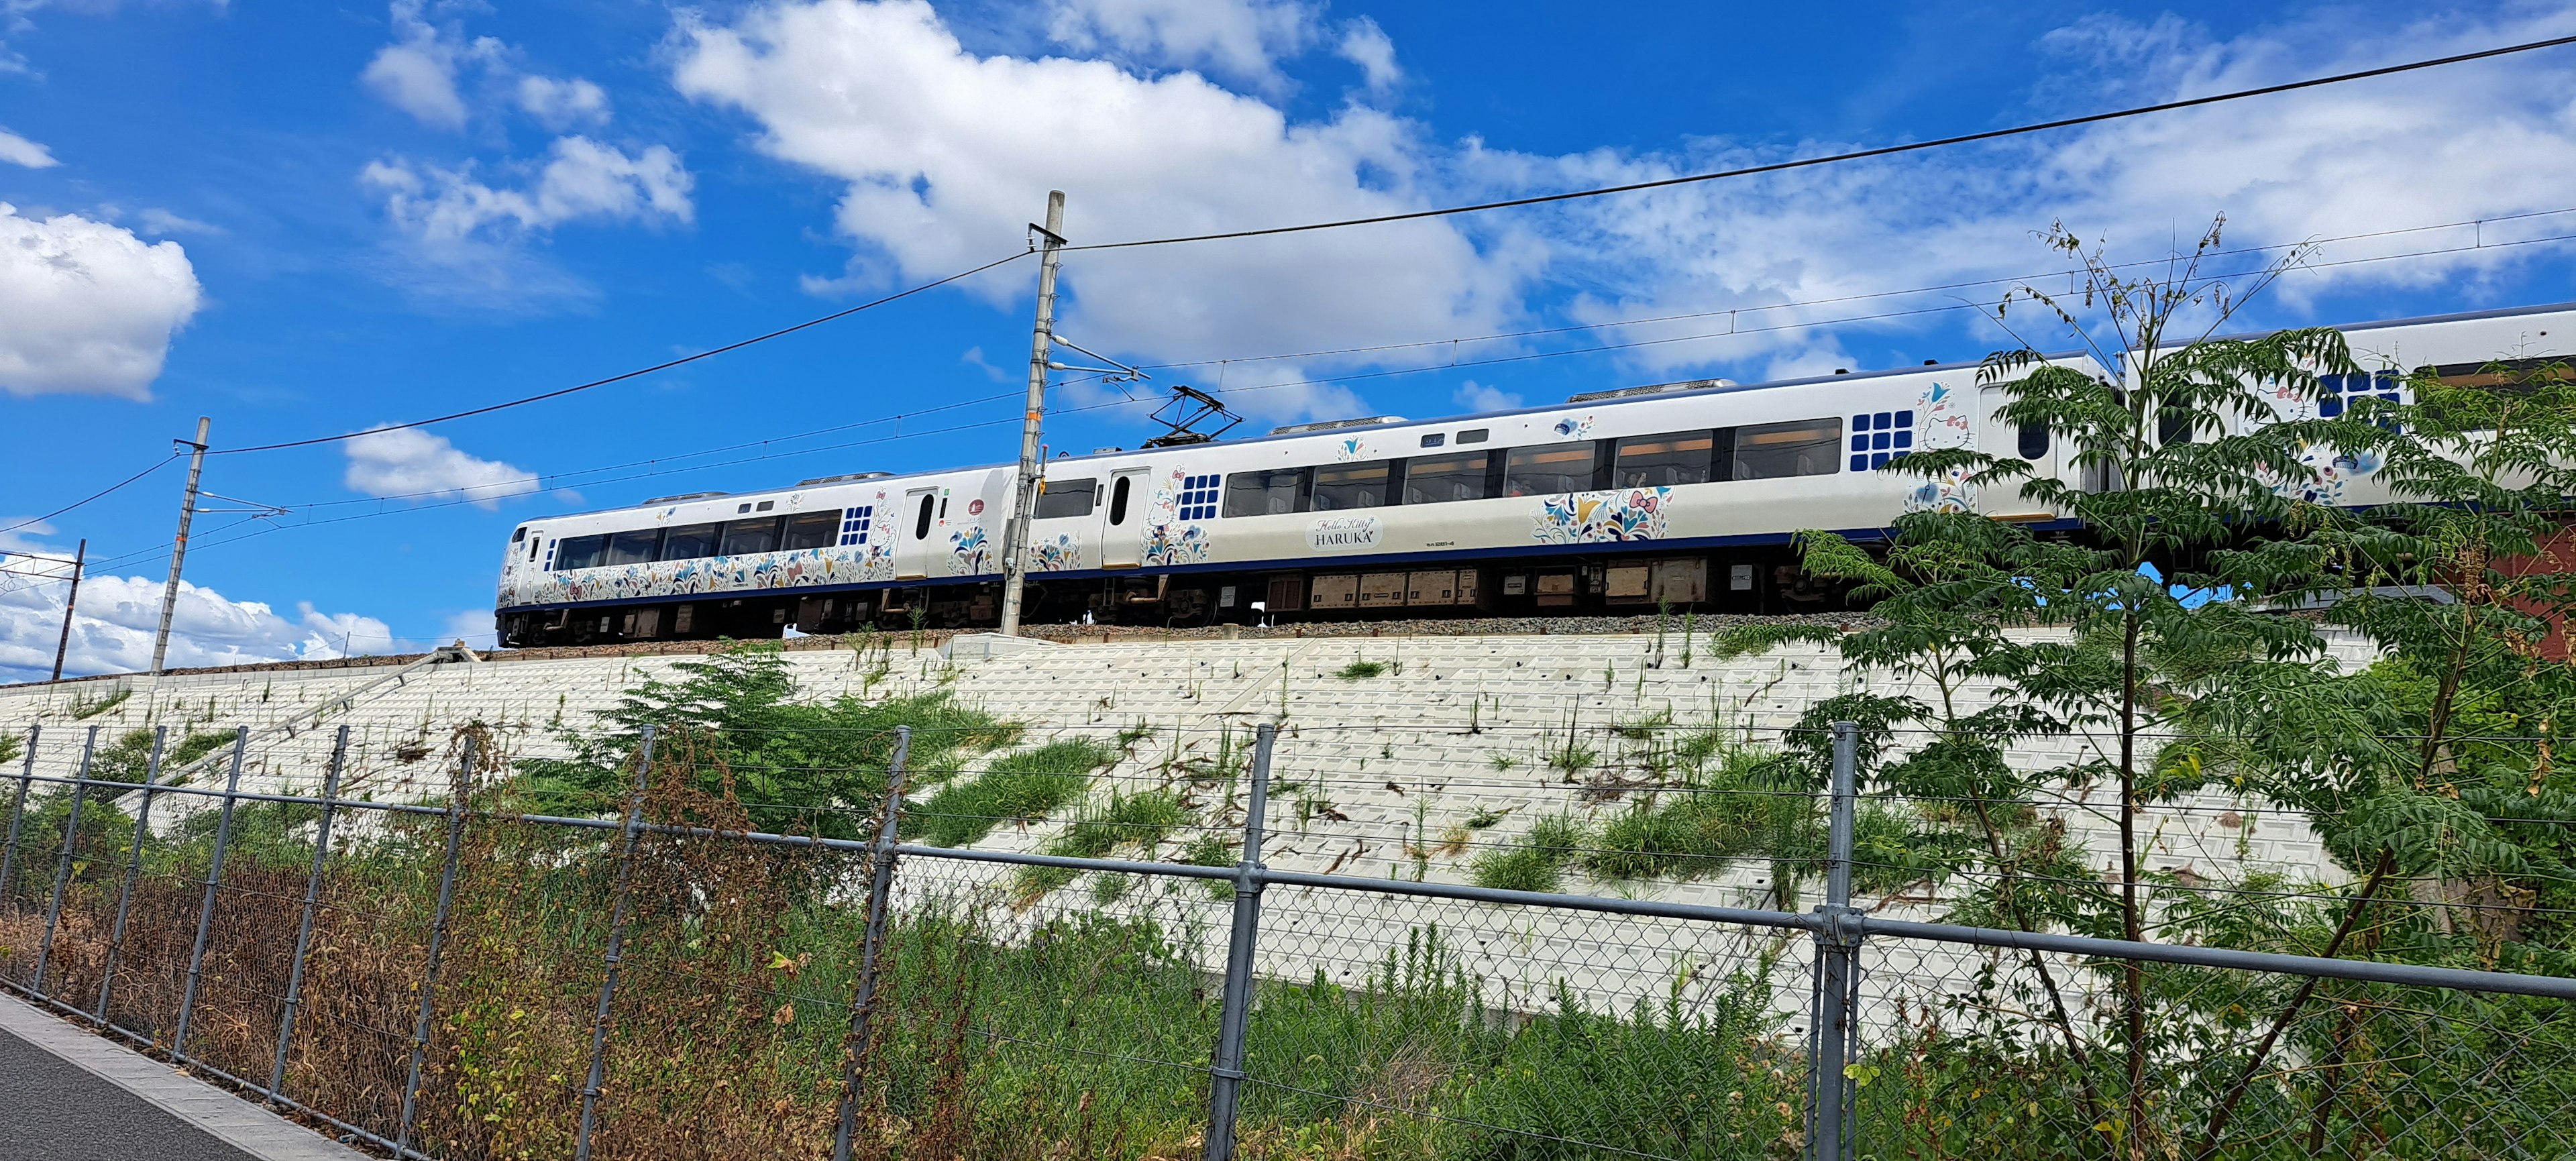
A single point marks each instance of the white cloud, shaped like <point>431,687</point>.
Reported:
<point>423,73</point>
<point>18,150</point>
<point>417,72</point>
<point>2469,141</point>
<point>1365,44</point>
<point>413,464</point>
<point>563,104</point>
<point>113,628</point>
<point>1238,39</point>
<point>947,154</point>
<point>1476,396</point>
<point>160,221</point>
<point>462,240</point>
<point>90,307</point>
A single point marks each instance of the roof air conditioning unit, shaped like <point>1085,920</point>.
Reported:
<point>1336,425</point>
<point>1657,389</point>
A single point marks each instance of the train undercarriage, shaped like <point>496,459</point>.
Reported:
<point>1765,581</point>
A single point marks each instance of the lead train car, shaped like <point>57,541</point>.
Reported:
<point>1681,496</point>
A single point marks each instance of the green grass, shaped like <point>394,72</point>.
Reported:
<point>84,708</point>
<point>1538,862</point>
<point>1138,820</point>
<point>1018,787</point>
<point>1359,670</point>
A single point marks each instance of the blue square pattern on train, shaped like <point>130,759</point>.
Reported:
<point>1880,436</point>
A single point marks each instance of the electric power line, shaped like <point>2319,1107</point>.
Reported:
<point>1856,155</point>
<point>638,372</point>
<point>33,520</point>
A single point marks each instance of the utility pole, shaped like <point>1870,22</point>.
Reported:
<point>179,549</point>
<point>80,556</point>
<point>1024,493</point>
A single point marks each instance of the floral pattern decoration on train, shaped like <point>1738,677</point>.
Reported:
<point>1174,533</point>
<point>1603,517</point>
<point>969,552</point>
<point>1062,554</point>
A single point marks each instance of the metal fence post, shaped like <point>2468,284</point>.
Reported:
<point>1225,1069</point>
<point>1832,1037</point>
<point>863,1000</point>
<point>437,945</point>
<point>133,871</point>
<point>63,865</point>
<point>206,904</point>
<point>17,814</point>
<point>312,903</point>
<point>616,949</point>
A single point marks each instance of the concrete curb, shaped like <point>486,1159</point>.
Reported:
<point>227,1118</point>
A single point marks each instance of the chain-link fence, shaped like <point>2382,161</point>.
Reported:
<point>658,951</point>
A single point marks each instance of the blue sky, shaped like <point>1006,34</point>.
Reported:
<point>309,222</point>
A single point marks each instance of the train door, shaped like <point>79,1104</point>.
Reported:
<point>2006,440</point>
<point>1122,520</point>
<point>920,522</point>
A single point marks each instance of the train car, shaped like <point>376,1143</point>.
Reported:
<point>1678,496</point>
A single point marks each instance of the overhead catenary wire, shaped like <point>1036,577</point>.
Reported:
<point>1853,155</point>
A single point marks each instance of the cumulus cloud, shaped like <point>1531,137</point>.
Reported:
<point>113,628</point>
<point>946,154</point>
<point>1238,39</point>
<point>2482,141</point>
<point>583,180</point>
<point>417,72</point>
<point>1476,396</point>
<point>1365,44</point>
<point>18,150</point>
<point>424,70</point>
<point>562,104</point>
<point>413,464</point>
<point>90,307</point>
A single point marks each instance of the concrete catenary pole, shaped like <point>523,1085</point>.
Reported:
<point>179,547</point>
<point>63,645</point>
<point>1024,491</point>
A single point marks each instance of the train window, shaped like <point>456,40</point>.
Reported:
<point>533,542</point>
<point>759,534</point>
<point>1067,498</point>
<point>1118,493</point>
<point>811,530</point>
<point>1801,447</point>
<point>1271,493</point>
<point>764,505</point>
<point>521,534</point>
<point>1548,469</point>
<point>2034,441</point>
<point>1659,461</point>
<point>580,552</point>
<point>1475,435</point>
<point>691,542</point>
<point>1339,486</point>
<point>2173,425</point>
<point>635,547</point>
<point>1440,479</point>
<point>921,520</point>
<point>2509,376</point>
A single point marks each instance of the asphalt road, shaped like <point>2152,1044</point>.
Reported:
<point>54,1110</point>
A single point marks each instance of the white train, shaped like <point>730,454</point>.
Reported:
<point>1682,495</point>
